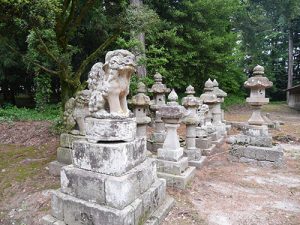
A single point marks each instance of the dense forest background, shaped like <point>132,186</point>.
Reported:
<point>47,47</point>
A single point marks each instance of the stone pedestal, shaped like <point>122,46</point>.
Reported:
<point>110,183</point>
<point>171,163</point>
<point>64,153</point>
<point>254,146</point>
<point>111,180</point>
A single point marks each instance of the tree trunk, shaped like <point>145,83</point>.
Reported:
<point>141,69</point>
<point>290,61</point>
<point>67,91</point>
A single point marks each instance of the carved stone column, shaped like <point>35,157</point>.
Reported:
<point>171,163</point>
<point>191,103</point>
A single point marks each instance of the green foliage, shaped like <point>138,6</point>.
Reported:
<point>12,113</point>
<point>233,100</point>
<point>264,35</point>
<point>43,91</point>
<point>58,126</point>
<point>195,41</point>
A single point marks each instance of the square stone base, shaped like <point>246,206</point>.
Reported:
<point>176,168</point>
<point>203,142</point>
<point>149,208</point>
<point>262,156</point>
<point>117,192</point>
<point>198,163</point>
<point>179,181</point>
<point>156,218</point>
<point>209,151</point>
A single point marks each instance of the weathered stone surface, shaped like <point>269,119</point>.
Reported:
<point>57,206</point>
<point>109,84</point>
<point>116,192</point>
<point>257,155</point>
<point>170,155</point>
<point>209,151</point>
<point>203,143</point>
<point>55,167</point>
<point>178,181</point>
<point>64,155</point>
<point>110,129</point>
<point>66,140</point>
<point>159,137</point>
<point>48,220</point>
<point>83,184</point>
<point>121,191</point>
<point>198,163</point>
<point>176,168</point>
<point>193,154</point>
<point>76,109</point>
<point>161,212</point>
<point>153,198</point>
<point>109,158</point>
<point>78,212</point>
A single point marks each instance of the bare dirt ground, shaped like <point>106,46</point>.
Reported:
<point>222,193</point>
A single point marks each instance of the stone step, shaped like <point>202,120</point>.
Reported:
<point>117,192</point>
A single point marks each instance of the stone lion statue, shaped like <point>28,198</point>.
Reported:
<point>202,113</point>
<point>109,84</point>
<point>76,109</point>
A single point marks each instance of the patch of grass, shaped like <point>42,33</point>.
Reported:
<point>12,113</point>
<point>19,163</point>
<point>233,100</point>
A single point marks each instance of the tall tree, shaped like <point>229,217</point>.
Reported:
<point>55,35</point>
<point>140,52</point>
<point>195,41</point>
<point>267,34</point>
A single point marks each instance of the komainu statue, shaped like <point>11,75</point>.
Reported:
<point>76,109</point>
<point>109,84</point>
<point>202,112</point>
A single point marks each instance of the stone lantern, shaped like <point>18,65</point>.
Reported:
<point>217,111</point>
<point>141,103</point>
<point>254,145</point>
<point>159,91</point>
<point>191,103</point>
<point>171,163</point>
<point>206,133</point>
<point>209,98</point>
<point>257,85</point>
